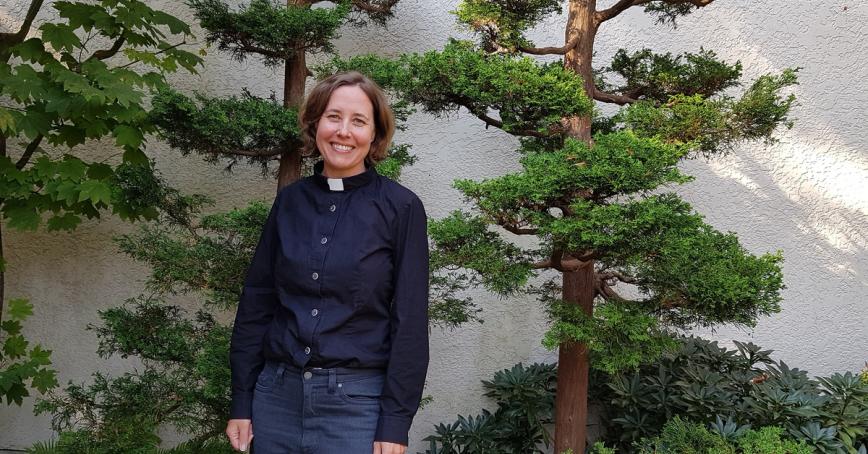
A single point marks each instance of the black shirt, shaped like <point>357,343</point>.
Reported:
<point>339,279</point>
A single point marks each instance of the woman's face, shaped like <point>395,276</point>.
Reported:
<point>345,131</point>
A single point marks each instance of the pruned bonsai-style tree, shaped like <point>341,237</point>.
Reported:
<point>631,259</point>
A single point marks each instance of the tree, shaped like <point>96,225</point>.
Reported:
<point>255,129</point>
<point>591,188</point>
<point>66,87</point>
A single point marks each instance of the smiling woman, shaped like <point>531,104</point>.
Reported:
<point>330,345</point>
<point>347,120</point>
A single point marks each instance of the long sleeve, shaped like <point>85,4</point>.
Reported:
<point>255,312</point>
<point>408,360</point>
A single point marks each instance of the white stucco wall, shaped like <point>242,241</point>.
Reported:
<point>807,195</point>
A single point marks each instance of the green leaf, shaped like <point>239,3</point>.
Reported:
<point>135,156</point>
<point>60,36</point>
<point>176,26</point>
<point>67,221</point>
<point>128,136</point>
<point>96,191</point>
<point>44,380</point>
<point>40,357</point>
<point>15,346</point>
<point>100,171</point>
<point>16,393</point>
<point>32,50</point>
<point>11,327</point>
<point>7,122</point>
<point>21,215</point>
<point>72,168</point>
<point>19,309</point>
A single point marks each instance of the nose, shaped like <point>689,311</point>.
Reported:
<point>344,130</point>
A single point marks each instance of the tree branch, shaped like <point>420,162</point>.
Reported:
<point>11,39</point>
<point>615,10</point>
<point>551,50</point>
<point>613,98</point>
<point>556,261</point>
<point>623,5</point>
<point>262,153</point>
<point>369,7</point>
<point>499,124</point>
<point>518,230</point>
<point>28,152</point>
<point>155,53</point>
<point>612,274</point>
<point>103,54</point>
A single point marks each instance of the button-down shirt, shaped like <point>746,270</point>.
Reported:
<point>339,279</point>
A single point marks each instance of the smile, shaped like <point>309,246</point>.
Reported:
<point>340,147</point>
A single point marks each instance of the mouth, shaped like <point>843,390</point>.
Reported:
<point>342,148</point>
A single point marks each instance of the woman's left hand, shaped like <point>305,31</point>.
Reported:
<point>383,447</point>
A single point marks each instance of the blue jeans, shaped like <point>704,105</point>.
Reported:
<point>316,411</point>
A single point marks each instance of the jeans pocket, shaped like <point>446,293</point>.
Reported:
<point>266,378</point>
<point>362,391</point>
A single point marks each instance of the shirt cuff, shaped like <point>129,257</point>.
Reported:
<point>242,406</point>
<point>393,429</point>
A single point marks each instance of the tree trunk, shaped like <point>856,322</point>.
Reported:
<point>294,80</point>
<point>571,402</point>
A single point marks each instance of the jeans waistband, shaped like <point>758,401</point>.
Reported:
<point>339,371</point>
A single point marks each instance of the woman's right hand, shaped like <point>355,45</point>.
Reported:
<point>240,432</point>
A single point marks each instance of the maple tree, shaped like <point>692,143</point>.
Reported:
<point>69,84</point>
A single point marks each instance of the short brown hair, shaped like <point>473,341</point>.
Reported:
<point>318,99</point>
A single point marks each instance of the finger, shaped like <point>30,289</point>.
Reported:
<point>232,434</point>
<point>244,438</point>
<point>378,447</point>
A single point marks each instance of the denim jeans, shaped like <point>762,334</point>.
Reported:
<point>316,411</point>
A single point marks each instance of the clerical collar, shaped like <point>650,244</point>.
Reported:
<point>343,184</point>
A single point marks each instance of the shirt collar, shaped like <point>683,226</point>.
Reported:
<point>348,183</point>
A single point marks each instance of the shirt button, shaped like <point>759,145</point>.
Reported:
<point>307,350</point>
<point>314,312</point>
<point>324,240</point>
<point>307,375</point>
<point>332,208</point>
<point>314,276</point>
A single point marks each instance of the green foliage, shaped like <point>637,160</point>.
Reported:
<point>771,440</point>
<point>464,241</point>
<point>745,387</point>
<point>529,97</point>
<point>525,405</point>
<point>214,127</point>
<point>211,261</point>
<point>184,382</point>
<point>716,124</point>
<point>65,92</point>
<point>620,334</point>
<point>617,164</point>
<point>668,11</point>
<point>660,76</point>
<point>683,437</point>
<point>22,367</point>
<point>502,23</point>
<point>272,29</point>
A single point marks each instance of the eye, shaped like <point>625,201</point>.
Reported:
<point>359,122</point>
<point>333,117</point>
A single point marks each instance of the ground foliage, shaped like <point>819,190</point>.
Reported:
<point>696,398</point>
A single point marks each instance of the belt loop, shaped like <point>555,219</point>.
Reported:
<point>333,381</point>
<point>279,377</point>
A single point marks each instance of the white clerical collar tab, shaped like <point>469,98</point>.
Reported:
<point>336,184</point>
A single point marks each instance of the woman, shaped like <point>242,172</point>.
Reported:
<point>330,345</point>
